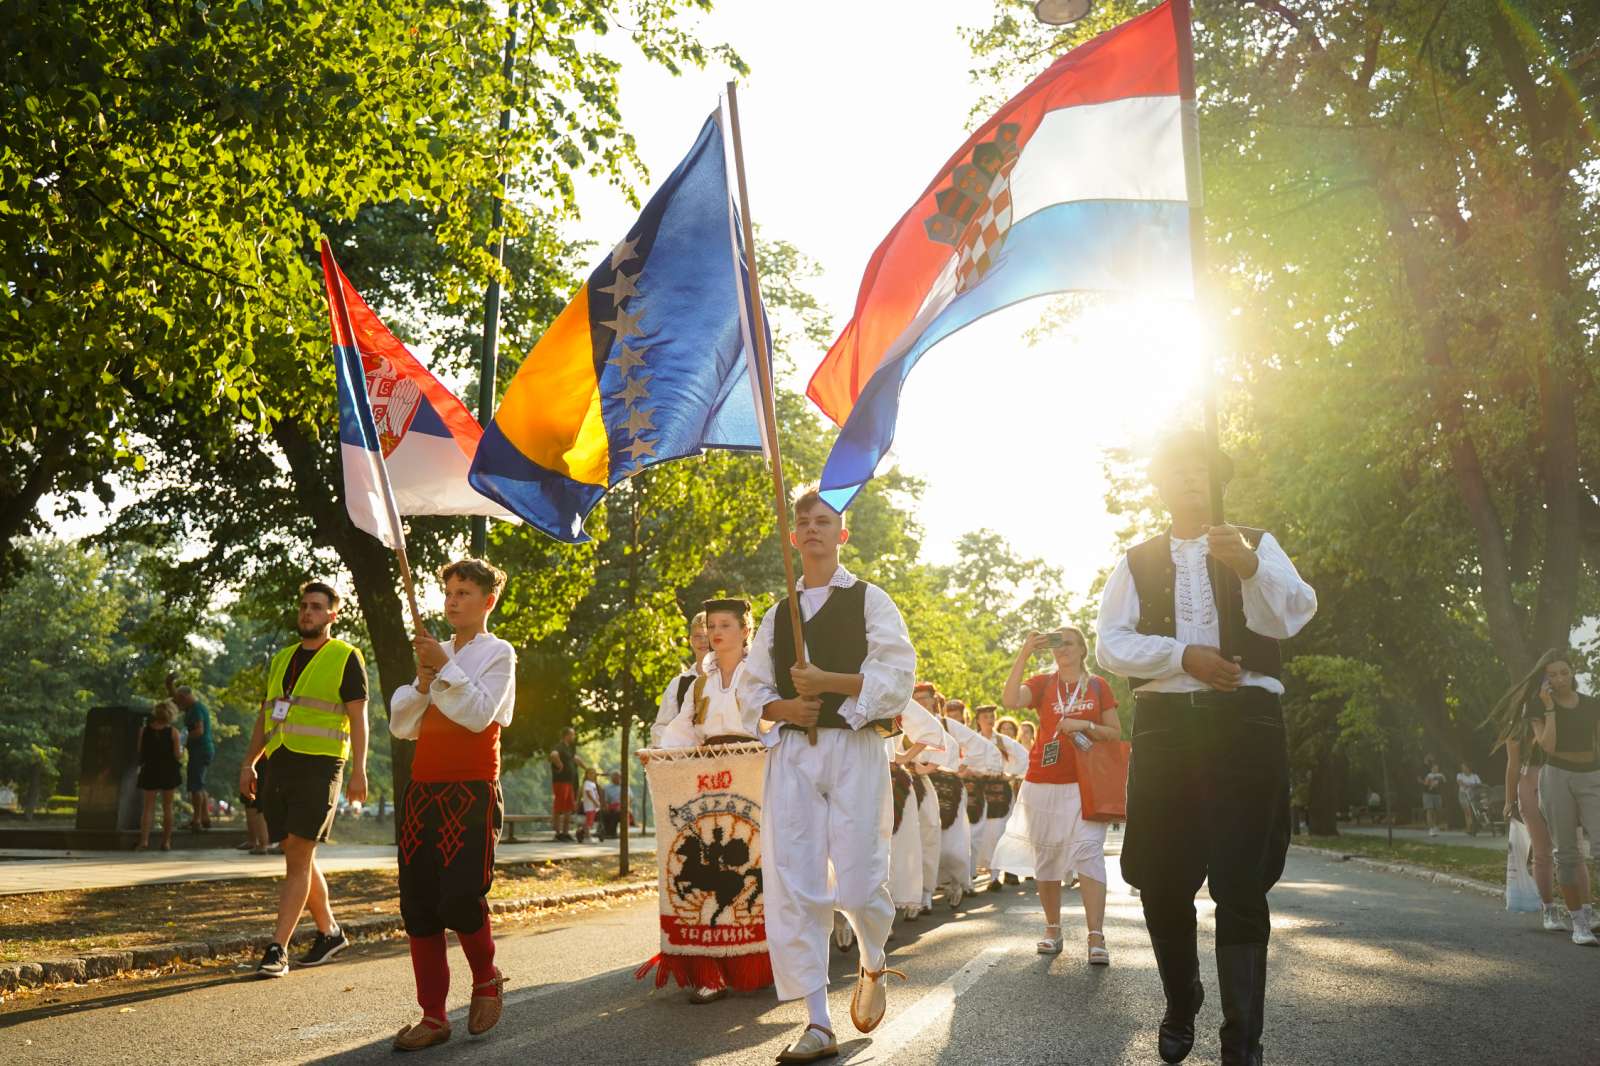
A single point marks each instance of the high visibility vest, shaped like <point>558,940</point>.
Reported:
<point>316,723</point>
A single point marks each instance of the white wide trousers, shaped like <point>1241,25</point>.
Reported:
<point>826,820</point>
<point>932,832</point>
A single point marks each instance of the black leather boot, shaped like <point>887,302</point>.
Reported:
<point>1180,981</point>
<point>1242,979</point>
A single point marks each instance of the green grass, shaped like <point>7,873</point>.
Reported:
<point>1480,864</point>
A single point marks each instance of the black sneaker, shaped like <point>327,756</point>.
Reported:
<point>324,947</point>
<point>274,962</point>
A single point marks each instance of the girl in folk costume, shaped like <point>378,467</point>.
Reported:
<point>1049,819</point>
<point>710,711</point>
<point>451,811</point>
<point>711,714</point>
<point>996,793</point>
<point>924,766</point>
<point>677,689</point>
<point>967,757</point>
<point>1013,860</point>
<point>827,800</point>
<point>919,731</point>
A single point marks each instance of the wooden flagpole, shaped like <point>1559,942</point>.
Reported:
<point>768,393</point>
<point>342,309</point>
<point>1182,20</point>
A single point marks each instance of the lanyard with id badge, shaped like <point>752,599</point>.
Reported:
<point>1052,749</point>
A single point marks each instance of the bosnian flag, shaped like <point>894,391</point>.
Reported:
<point>1076,184</point>
<point>406,440</point>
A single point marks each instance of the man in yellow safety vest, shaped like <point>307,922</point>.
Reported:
<point>312,722</point>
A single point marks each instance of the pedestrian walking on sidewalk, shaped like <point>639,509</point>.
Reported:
<point>312,723</point>
<point>159,773</point>
<point>451,812</point>
<point>564,767</point>
<point>1565,722</point>
<point>1432,782</point>
<point>197,739</point>
<point>1524,761</point>
<point>1208,787</point>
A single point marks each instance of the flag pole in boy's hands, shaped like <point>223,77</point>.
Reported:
<point>768,395</point>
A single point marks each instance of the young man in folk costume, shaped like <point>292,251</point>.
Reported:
<point>672,696</point>
<point>1208,787</point>
<point>451,811</point>
<point>312,723</point>
<point>997,793</point>
<point>827,801</point>
<point>709,714</point>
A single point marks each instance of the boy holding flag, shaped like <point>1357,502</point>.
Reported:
<point>451,812</point>
<point>827,799</point>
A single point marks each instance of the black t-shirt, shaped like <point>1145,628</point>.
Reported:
<point>569,765</point>
<point>1575,726</point>
<point>352,687</point>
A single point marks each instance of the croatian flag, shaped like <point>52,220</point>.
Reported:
<point>1076,184</point>
<point>406,440</point>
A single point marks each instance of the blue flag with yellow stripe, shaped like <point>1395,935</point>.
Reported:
<point>650,361</point>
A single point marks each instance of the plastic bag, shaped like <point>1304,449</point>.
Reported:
<point>1522,894</point>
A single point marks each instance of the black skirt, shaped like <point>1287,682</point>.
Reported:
<point>448,831</point>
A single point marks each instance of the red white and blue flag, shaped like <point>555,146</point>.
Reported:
<point>1076,184</point>
<point>394,414</point>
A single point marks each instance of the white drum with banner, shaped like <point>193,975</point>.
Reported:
<point>708,857</point>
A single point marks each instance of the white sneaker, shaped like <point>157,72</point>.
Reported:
<point>1582,934</point>
<point>1553,922</point>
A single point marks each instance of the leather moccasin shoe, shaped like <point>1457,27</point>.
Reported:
<point>487,999</point>
<point>871,998</point>
<point>423,1034</point>
<point>814,1044</point>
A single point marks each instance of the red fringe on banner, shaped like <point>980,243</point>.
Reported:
<point>742,973</point>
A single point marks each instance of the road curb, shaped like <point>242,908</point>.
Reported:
<point>115,962</point>
<point>1422,873</point>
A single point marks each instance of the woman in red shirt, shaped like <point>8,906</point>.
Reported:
<point>1049,815</point>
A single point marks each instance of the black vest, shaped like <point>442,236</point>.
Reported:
<point>836,638</point>
<point>1155,579</point>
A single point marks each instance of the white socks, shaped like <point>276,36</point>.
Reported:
<point>817,1009</point>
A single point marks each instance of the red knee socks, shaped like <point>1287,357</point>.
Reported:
<point>479,948</point>
<point>432,970</point>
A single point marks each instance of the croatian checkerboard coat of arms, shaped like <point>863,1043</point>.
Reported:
<point>974,212</point>
<point>708,855</point>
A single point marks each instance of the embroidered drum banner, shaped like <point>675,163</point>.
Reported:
<point>708,858</point>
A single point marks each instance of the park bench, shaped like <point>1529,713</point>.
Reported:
<point>508,824</point>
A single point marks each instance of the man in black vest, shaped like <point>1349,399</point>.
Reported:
<point>828,801</point>
<point>1193,618</point>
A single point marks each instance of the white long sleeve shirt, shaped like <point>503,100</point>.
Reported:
<point>475,689</point>
<point>725,714</point>
<point>1277,604</point>
<point>972,751</point>
<point>1013,756</point>
<point>669,707</point>
<point>887,674</point>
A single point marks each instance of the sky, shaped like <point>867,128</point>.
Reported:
<point>848,113</point>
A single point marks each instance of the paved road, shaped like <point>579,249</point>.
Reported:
<point>26,870</point>
<point>1368,968</point>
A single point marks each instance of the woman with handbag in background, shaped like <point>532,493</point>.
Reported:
<point>1076,711</point>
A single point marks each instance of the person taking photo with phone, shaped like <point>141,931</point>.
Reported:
<point>1074,707</point>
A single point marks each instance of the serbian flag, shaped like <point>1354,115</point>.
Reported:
<point>405,440</point>
<point>650,361</point>
<point>1076,184</point>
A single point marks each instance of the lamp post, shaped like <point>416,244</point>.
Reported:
<point>1061,12</point>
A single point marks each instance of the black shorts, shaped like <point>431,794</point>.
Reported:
<point>448,831</point>
<point>301,794</point>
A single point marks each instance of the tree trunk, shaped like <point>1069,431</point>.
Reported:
<point>372,569</point>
